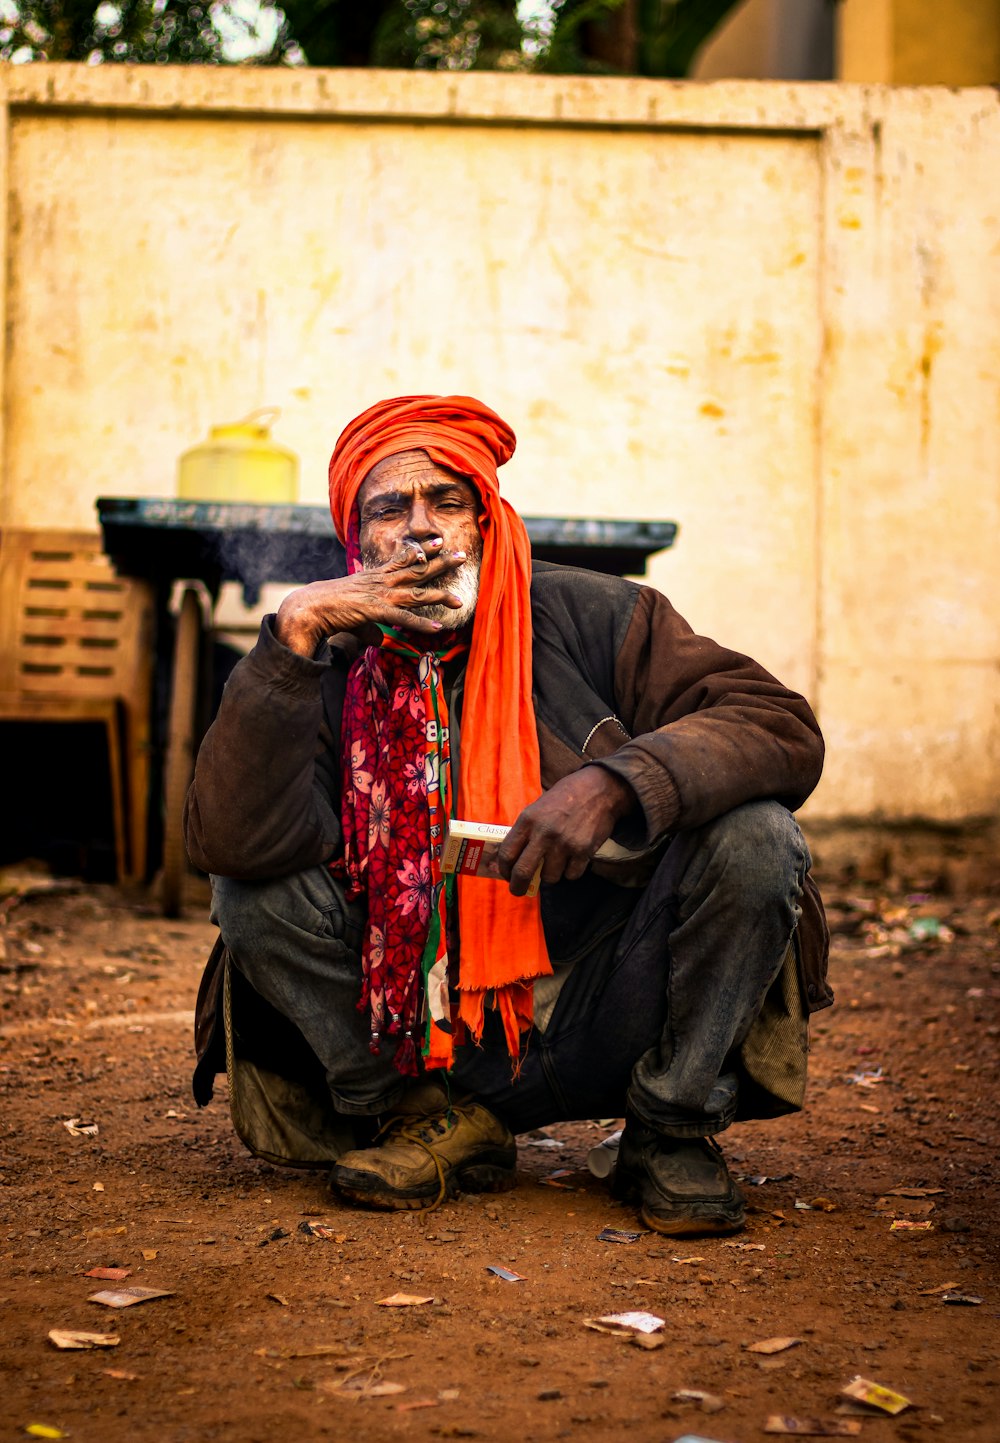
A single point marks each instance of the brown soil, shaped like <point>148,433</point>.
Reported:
<point>273,1334</point>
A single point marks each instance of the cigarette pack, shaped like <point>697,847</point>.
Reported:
<point>470,850</point>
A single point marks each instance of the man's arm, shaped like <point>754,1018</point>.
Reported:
<point>265,797</point>
<point>710,729</point>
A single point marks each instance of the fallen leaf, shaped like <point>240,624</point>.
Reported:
<point>98,1187</point>
<point>65,1338</point>
<point>277,1298</point>
<point>941,1288</point>
<point>150,1254</point>
<point>106,1232</point>
<point>707,1402</point>
<point>744,1247</point>
<point>109,1275</point>
<point>128,1297</point>
<point>687,1260</point>
<point>915,1192</point>
<point>120,1373</point>
<point>402,1300</point>
<point>772,1345</point>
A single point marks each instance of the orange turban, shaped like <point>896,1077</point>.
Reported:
<point>502,946</point>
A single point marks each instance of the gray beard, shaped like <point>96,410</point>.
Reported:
<point>463,583</point>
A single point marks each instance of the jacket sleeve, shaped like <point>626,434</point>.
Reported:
<point>710,728</point>
<point>263,802</point>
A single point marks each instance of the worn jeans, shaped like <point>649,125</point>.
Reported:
<point>652,1014</point>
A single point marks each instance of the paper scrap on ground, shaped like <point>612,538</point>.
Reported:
<point>67,1338</point>
<point>618,1235</point>
<point>863,1390</point>
<point>903,1225</point>
<point>505,1273</point>
<point>707,1402</point>
<point>128,1297</point>
<point>813,1427</point>
<point>772,1345</point>
<point>625,1323</point>
<point>109,1275</point>
<point>402,1300</point>
<point>76,1127</point>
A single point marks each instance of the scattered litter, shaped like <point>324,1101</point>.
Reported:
<point>602,1158</point>
<point>128,1297</point>
<point>277,1298</point>
<point>554,1179</point>
<point>695,1438</point>
<point>772,1345</point>
<point>505,1273</point>
<point>759,1179</point>
<point>76,1127</point>
<point>64,1338</point>
<point>647,1341</point>
<point>106,1232</point>
<point>904,1225</point>
<point>968,1300</point>
<point>360,1387</point>
<point>744,1247</point>
<point>915,1192</point>
<point>318,1350</point>
<point>120,1373</point>
<point>923,929</point>
<point>150,1254</point>
<point>941,1288</point>
<point>682,1261</point>
<point>417,1403</point>
<point>98,1187</point>
<point>707,1402</point>
<point>618,1235</point>
<point>402,1300</point>
<point>623,1323</point>
<point>44,1430</point>
<point>321,1230</point>
<point>109,1275</point>
<point>867,1079</point>
<point>863,1390</point>
<point>539,1142</point>
<point>813,1427</point>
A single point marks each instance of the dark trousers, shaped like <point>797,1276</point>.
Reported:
<point>665,987</point>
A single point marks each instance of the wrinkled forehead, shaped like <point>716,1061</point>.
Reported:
<point>404,473</point>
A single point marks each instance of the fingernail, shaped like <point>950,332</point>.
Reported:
<point>438,625</point>
<point>458,555</point>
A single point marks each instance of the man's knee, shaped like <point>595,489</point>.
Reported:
<point>761,843</point>
<point>253,916</point>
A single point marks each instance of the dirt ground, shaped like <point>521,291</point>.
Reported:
<point>269,1332</point>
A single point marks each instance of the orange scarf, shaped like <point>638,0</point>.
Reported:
<point>502,943</point>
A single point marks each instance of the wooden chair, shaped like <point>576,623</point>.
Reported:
<point>76,645</point>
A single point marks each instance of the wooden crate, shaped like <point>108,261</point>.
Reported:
<point>76,644</point>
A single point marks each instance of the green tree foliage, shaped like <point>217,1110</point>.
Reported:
<point>147,31</point>
<point>626,37</point>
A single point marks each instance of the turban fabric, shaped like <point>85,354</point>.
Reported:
<point>502,943</point>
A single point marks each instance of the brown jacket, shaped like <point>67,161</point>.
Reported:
<point>620,679</point>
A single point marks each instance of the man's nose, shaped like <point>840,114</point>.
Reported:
<point>421,525</point>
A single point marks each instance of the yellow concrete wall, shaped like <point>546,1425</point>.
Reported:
<point>766,311</point>
<point>919,42</point>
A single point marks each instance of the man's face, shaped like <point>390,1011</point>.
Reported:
<point>408,501</point>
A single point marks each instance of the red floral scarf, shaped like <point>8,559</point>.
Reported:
<point>396,803</point>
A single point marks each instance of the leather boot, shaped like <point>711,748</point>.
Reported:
<point>682,1184</point>
<point>428,1149</point>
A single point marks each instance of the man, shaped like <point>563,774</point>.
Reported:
<point>379,1016</point>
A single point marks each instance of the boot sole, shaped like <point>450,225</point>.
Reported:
<point>717,1219</point>
<point>484,1174</point>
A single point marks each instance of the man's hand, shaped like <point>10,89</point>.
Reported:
<point>564,828</point>
<point>392,594</point>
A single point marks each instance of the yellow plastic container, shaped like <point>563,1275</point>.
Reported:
<point>240,462</point>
